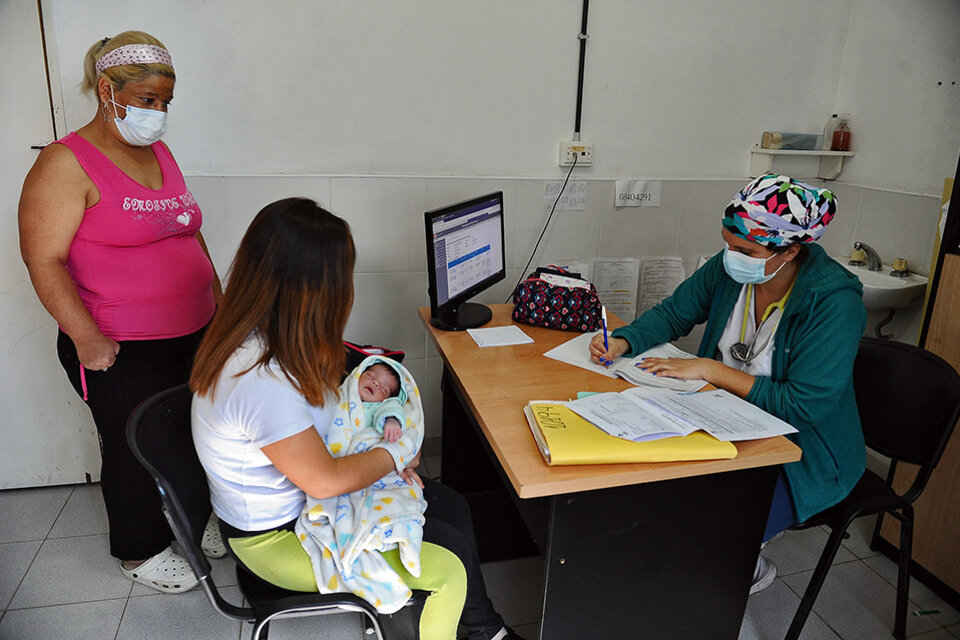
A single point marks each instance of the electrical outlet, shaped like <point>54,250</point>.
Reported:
<point>582,150</point>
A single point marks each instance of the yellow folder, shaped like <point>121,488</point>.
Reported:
<point>563,437</point>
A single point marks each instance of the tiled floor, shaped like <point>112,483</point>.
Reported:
<point>57,582</point>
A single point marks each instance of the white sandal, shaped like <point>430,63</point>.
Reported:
<point>166,572</point>
<point>212,543</point>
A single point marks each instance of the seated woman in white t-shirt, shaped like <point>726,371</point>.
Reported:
<point>265,380</point>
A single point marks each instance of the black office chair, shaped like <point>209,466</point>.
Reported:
<point>159,434</point>
<point>909,403</point>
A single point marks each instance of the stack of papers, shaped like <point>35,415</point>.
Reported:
<point>641,414</point>
<point>565,438</point>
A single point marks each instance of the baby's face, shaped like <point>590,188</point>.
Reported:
<point>377,384</point>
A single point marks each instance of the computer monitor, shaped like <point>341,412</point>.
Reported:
<point>465,256</point>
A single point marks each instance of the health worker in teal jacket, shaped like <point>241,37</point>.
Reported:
<point>784,322</point>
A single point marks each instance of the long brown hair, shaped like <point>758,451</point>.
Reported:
<point>291,283</point>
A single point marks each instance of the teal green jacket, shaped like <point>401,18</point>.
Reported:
<point>811,386</point>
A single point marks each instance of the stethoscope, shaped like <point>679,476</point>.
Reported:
<point>739,351</point>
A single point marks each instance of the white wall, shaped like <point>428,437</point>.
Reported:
<point>46,436</point>
<point>456,87</point>
<point>906,123</point>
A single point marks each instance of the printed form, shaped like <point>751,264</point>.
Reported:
<point>616,282</point>
<point>648,414</point>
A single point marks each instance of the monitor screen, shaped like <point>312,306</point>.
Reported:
<point>465,255</point>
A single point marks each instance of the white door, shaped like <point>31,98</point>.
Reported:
<point>46,433</point>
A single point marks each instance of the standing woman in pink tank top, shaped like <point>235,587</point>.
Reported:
<point>111,238</point>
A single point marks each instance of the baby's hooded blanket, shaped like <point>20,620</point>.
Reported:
<point>344,535</point>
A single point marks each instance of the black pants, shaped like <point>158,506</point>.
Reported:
<point>449,525</point>
<point>138,529</point>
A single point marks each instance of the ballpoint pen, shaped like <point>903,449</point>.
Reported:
<point>606,344</point>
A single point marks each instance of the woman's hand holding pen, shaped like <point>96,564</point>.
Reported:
<point>606,356</point>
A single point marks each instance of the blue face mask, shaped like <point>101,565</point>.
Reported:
<point>747,270</point>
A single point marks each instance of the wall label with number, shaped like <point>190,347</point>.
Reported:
<point>637,193</point>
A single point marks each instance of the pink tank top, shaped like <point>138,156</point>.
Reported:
<point>135,258</point>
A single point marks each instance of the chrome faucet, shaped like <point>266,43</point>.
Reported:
<point>873,258</point>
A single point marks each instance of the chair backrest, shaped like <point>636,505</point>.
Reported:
<point>159,434</point>
<point>908,400</point>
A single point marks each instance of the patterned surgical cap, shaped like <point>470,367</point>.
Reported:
<point>780,211</point>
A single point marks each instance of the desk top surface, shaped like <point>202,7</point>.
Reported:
<point>497,382</point>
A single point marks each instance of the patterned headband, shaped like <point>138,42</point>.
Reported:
<point>134,54</point>
<point>780,211</point>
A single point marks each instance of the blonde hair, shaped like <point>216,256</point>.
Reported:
<point>122,74</point>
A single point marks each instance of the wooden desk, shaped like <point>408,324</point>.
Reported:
<point>659,550</point>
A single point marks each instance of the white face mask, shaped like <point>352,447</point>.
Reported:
<point>139,127</point>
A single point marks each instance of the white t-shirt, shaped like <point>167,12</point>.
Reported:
<point>231,424</point>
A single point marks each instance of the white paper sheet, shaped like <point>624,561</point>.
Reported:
<point>622,417</point>
<point>499,336</point>
<point>642,413</point>
<point>577,353</point>
<point>616,281</point>
<point>659,276</point>
<point>574,196</point>
<point>718,412</point>
<point>573,265</point>
<point>637,193</point>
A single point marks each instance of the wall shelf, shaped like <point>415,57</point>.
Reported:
<point>831,162</point>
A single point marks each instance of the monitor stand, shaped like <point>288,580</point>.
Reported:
<point>468,315</point>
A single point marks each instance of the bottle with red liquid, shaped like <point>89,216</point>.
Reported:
<point>841,136</point>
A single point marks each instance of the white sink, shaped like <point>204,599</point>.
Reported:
<point>882,291</point>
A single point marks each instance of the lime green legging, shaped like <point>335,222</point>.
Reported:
<point>279,558</point>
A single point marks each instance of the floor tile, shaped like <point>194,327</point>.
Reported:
<point>770,612</point>
<point>15,559</point>
<point>936,634</point>
<point>857,603</point>
<point>68,570</point>
<point>516,589</point>
<point>163,616</point>
<point>398,626</point>
<point>859,541</point>
<point>83,621</point>
<point>527,631</point>
<point>341,626</point>
<point>955,630</point>
<point>36,510</point>
<point>84,514</point>
<point>800,550</point>
<point>920,595</point>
